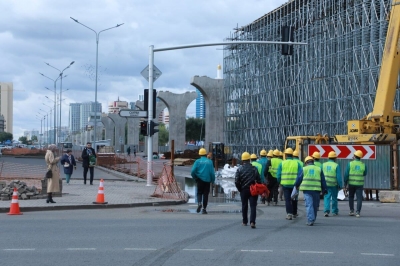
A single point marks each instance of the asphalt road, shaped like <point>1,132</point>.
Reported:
<point>179,236</point>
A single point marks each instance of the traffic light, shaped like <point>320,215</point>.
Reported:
<point>146,101</point>
<point>143,128</point>
<point>287,35</point>
<point>153,130</point>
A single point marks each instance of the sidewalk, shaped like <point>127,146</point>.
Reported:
<point>120,190</point>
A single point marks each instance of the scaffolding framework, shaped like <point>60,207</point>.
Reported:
<point>319,88</point>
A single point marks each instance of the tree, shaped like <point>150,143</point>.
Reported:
<point>5,136</point>
<point>34,138</point>
<point>24,140</point>
<point>195,129</point>
<point>163,135</point>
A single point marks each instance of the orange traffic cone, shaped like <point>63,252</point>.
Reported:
<point>100,194</point>
<point>14,208</point>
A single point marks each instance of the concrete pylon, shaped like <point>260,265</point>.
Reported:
<point>177,105</point>
<point>213,93</point>
<point>160,106</point>
<point>109,127</point>
<point>120,123</point>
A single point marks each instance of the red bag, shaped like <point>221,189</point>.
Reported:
<point>258,189</point>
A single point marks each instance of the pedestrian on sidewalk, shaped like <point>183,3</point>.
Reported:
<point>311,181</point>
<point>52,164</point>
<point>354,178</point>
<point>128,150</point>
<point>134,151</point>
<point>334,183</point>
<point>203,173</point>
<point>247,175</point>
<point>69,164</point>
<point>88,162</point>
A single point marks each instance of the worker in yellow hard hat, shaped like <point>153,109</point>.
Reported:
<point>354,178</point>
<point>296,157</point>
<point>270,175</point>
<point>263,161</point>
<point>311,181</point>
<point>203,173</point>
<point>253,161</point>
<point>333,177</point>
<point>317,156</point>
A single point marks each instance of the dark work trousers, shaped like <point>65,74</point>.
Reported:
<point>291,205</point>
<point>203,189</point>
<point>358,190</point>
<point>246,199</point>
<point>273,186</point>
<point>85,170</point>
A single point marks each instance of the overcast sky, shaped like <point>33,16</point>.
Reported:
<point>33,32</point>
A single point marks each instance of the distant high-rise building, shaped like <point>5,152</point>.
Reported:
<point>6,105</point>
<point>141,97</point>
<point>85,110</point>
<point>74,117</point>
<point>115,106</point>
<point>200,105</point>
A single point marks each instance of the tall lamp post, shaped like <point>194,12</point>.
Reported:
<point>44,124</point>
<point>97,62</point>
<point>51,109</point>
<point>41,126</point>
<point>61,75</point>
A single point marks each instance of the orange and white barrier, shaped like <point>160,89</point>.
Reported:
<point>100,194</point>
<point>14,208</point>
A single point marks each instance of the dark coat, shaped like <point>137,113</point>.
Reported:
<point>64,159</point>
<point>85,156</point>
<point>245,176</point>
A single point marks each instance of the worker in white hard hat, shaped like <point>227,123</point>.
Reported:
<point>354,178</point>
<point>334,183</point>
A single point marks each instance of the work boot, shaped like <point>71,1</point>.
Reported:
<point>326,214</point>
<point>253,226</point>
<point>358,214</point>
<point>199,208</point>
<point>204,211</point>
<point>351,213</point>
<point>289,217</point>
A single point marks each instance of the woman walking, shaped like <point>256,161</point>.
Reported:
<point>68,162</point>
<point>52,183</point>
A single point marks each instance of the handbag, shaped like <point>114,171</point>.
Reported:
<point>66,165</point>
<point>49,174</point>
<point>258,189</point>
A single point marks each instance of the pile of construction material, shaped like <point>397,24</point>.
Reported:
<point>24,192</point>
<point>226,180</point>
<point>183,161</point>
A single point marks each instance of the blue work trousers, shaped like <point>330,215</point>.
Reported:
<point>312,202</point>
<point>291,205</point>
<point>358,190</point>
<point>331,195</point>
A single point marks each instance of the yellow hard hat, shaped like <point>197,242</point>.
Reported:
<point>202,151</point>
<point>296,153</point>
<point>263,153</point>
<point>316,155</point>
<point>280,153</point>
<point>358,153</point>
<point>245,156</point>
<point>253,156</point>
<point>270,153</point>
<point>276,152</point>
<point>289,151</point>
<point>308,158</point>
<point>332,154</point>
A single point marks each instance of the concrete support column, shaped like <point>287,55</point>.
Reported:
<point>212,90</point>
<point>177,105</point>
<point>109,127</point>
<point>120,123</point>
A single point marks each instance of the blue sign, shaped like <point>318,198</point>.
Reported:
<point>7,142</point>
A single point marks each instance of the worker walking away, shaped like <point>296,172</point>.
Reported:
<point>317,156</point>
<point>263,161</point>
<point>270,175</point>
<point>245,176</point>
<point>333,179</point>
<point>288,170</point>
<point>296,157</point>
<point>253,160</point>
<point>354,178</point>
<point>203,173</point>
<point>311,181</point>
<point>280,189</point>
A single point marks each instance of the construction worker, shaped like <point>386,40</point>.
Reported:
<point>253,160</point>
<point>270,176</point>
<point>245,176</point>
<point>280,189</point>
<point>288,170</point>
<point>263,161</point>
<point>311,181</point>
<point>296,157</point>
<point>354,178</point>
<point>203,173</point>
<point>333,179</point>
<point>316,156</point>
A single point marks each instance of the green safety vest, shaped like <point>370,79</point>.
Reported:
<point>356,174</point>
<point>311,178</point>
<point>258,166</point>
<point>274,166</point>
<point>317,164</point>
<point>298,160</point>
<point>289,172</point>
<point>329,169</point>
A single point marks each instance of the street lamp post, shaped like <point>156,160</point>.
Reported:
<point>51,109</point>
<point>41,126</point>
<point>61,75</point>
<point>97,61</point>
<point>44,124</point>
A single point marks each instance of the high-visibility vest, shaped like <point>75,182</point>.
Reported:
<point>329,169</point>
<point>299,161</point>
<point>316,163</point>
<point>311,178</point>
<point>356,173</point>
<point>274,166</point>
<point>290,169</point>
<point>258,166</point>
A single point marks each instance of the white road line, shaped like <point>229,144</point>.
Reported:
<point>18,249</point>
<point>317,252</point>
<point>376,254</point>
<point>253,250</point>
<point>140,249</point>
<point>81,249</point>
<point>197,249</point>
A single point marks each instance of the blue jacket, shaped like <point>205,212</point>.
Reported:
<point>64,159</point>
<point>346,174</point>
<point>299,179</point>
<point>203,169</point>
<point>263,161</point>
<point>279,172</point>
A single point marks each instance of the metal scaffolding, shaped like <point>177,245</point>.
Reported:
<point>269,96</point>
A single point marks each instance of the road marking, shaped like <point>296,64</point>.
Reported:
<point>376,254</point>
<point>197,249</point>
<point>81,249</point>
<point>18,249</point>
<point>317,252</point>
<point>139,249</point>
<point>255,250</point>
